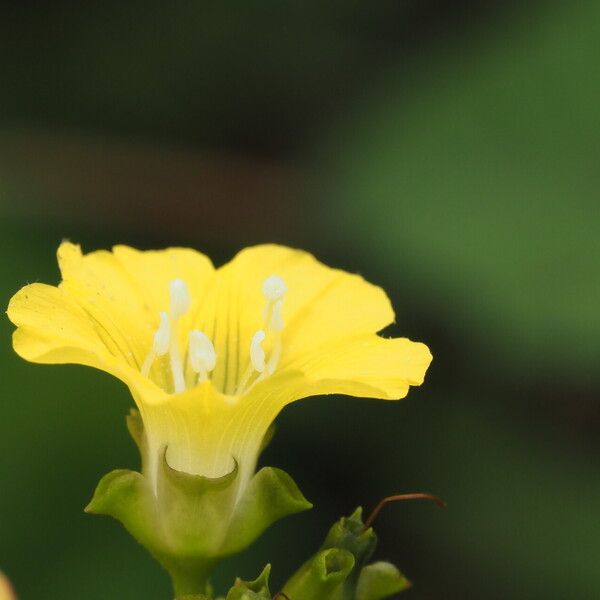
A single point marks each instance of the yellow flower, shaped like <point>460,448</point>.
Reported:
<point>6,591</point>
<point>211,356</point>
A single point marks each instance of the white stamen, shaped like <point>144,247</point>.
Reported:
<point>203,357</point>
<point>162,337</point>
<point>257,354</point>
<point>201,351</point>
<point>180,298</point>
<point>180,303</point>
<point>161,343</point>
<point>274,288</point>
<point>276,321</point>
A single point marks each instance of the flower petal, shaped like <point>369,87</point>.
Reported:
<point>366,365</point>
<point>124,291</point>
<point>151,271</point>
<point>98,284</point>
<point>321,305</point>
<point>54,329</point>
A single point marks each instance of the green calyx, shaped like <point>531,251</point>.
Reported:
<point>190,522</point>
<point>322,577</point>
<point>251,590</point>
<point>350,534</point>
<point>380,580</point>
<point>339,570</point>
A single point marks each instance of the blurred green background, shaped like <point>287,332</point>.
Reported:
<point>447,151</point>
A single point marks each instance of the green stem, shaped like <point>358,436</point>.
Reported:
<point>190,579</point>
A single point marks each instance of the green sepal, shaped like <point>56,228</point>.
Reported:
<point>123,494</point>
<point>380,580</point>
<point>347,546</point>
<point>322,577</point>
<point>189,522</point>
<point>252,590</point>
<point>271,495</point>
<point>350,534</point>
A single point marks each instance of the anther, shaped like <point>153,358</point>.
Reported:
<point>257,354</point>
<point>274,288</point>
<point>180,298</point>
<point>203,357</point>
